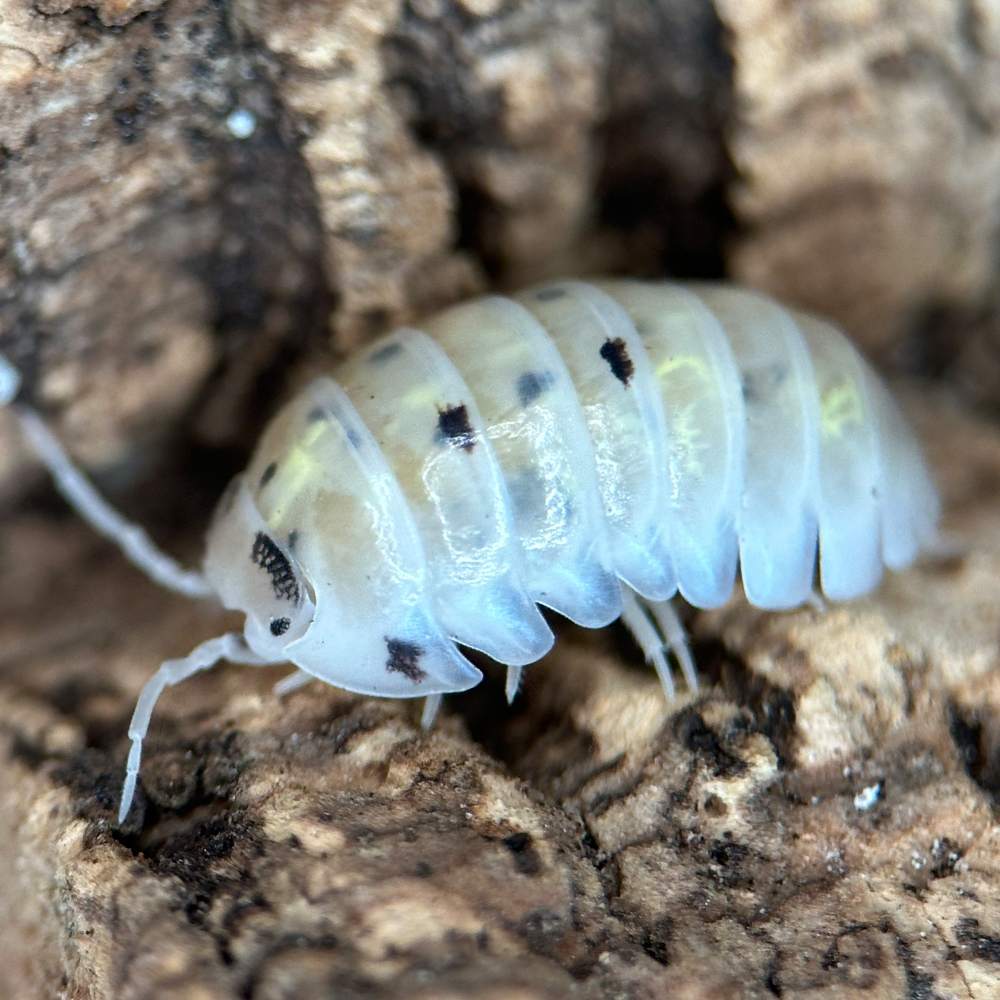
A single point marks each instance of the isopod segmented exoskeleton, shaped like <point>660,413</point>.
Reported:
<point>591,447</point>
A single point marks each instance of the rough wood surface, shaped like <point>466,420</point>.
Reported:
<point>867,139</point>
<point>819,821</point>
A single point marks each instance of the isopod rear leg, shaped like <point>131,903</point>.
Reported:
<point>637,621</point>
<point>230,646</point>
<point>677,638</point>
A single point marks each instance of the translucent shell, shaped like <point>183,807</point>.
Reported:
<point>699,386</point>
<point>551,449</point>
<point>537,430</point>
<point>625,421</point>
<point>427,424</point>
<point>777,514</point>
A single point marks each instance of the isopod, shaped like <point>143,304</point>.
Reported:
<point>595,448</point>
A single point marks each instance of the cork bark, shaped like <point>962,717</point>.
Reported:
<point>866,142</point>
<point>818,820</point>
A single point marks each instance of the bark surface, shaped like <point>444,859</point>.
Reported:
<point>817,821</point>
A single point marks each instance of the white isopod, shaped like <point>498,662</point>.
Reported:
<point>591,447</point>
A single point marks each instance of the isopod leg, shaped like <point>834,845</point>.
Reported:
<point>432,703</point>
<point>815,601</point>
<point>224,647</point>
<point>80,494</point>
<point>677,639</point>
<point>10,382</point>
<point>292,682</point>
<point>636,620</point>
<point>513,684</point>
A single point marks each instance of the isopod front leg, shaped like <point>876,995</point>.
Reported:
<point>294,681</point>
<point>230,646</point>
<point>432,705</point>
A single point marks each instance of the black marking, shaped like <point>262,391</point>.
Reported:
<point>728,853</point>
<point>657,942</point>
<point>266,554</point>
<point>385,353</point>
<point>268,474</point>
<point>615,352</point>
<point>293,539</point>
<point>761,384</point>
<point>315,415</point>
<point>981,945</point>
<point>531,385</point>
<point>279,626</point>
<point>526,858</point>
<point>548,294</point>
<point>453,423</point>
<point>404,658</point>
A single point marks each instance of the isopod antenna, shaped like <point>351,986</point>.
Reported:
<point>81,495</point>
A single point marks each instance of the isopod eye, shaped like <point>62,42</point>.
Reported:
<point>255,572</point>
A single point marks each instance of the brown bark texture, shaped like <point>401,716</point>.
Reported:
<point>818,820</point>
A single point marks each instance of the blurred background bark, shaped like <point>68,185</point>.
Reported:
<point>200,203</point>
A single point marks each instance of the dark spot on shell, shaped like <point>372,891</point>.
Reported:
<point>404,658</point>
<point>316,414</point>
<point>293,539</point>
<point>384,353</point>
<point>354,438</point>
<point>615,352</point>
<point>453,423</point>
<point>531,385</point>
<point>279,626</point>
<point>549,294</point>
<point>762,383</point>
<point>266,554</point>
<point>268,474</point>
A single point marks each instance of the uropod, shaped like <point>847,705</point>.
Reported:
<point>594,447</point>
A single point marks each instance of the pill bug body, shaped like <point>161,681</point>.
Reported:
<point>591,447</point>
<point>546,449</point>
